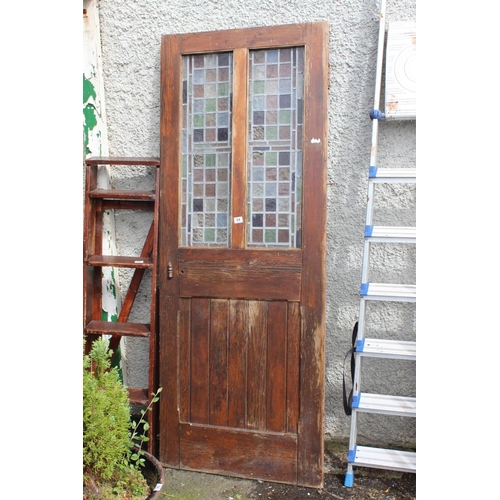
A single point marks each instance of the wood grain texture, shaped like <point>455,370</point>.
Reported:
<point>218,367</point>
<point>98,201</point>
<point>258,455</point>
<point>238,363</point>
<point>242,329</point>
<point>257,365</point>
<point>169,306</point>
<point>245,274</point>
<point>312,358</point>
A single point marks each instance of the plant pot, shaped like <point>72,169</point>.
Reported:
<point>154,474</point>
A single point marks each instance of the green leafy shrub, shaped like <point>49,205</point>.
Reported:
<point>106,414</point>
<point>111,441</point>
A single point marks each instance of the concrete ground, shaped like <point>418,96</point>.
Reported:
<point>368,484</point>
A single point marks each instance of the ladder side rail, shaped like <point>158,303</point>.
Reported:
<point>378,81</point>
<point>89,239</point>
<point>374,138</point>
<point>371,190</point>
<point>349,478</point>
<point>355,391</point>
<point>97,270</point>
<point>380,55</point>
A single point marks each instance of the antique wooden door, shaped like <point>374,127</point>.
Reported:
<point>242,252</point>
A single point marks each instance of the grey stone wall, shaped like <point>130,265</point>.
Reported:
<point>131,37</point>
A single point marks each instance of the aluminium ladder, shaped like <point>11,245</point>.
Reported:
<point>359,401</point>
<point>97,201</point>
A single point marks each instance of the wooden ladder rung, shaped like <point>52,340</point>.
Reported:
<point>118,194</point>
<point>138,396</point>
<point>120,261</point>
<point>122,160</point>
<point>124,329</point>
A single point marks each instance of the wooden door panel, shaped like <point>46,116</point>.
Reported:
<point>218,357</point>
<point>258,455</point>
<point>248,274</point>
<point>257,362</point>
<point>239,362</point>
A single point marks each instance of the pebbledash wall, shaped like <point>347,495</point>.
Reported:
<point>131,32</point>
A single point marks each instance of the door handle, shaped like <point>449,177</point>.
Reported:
<point>170,271</point>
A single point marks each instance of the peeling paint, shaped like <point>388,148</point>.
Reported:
<point>95,144</point>
<point>91,116</point>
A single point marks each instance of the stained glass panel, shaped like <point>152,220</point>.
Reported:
<point>275,147</point>
<point>206,149</point>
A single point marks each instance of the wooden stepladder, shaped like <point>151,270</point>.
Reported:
<point>97,201</point>
<point>399,105</point>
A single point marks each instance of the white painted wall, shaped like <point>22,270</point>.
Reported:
<point>131,33</point>
<point>96,141</point>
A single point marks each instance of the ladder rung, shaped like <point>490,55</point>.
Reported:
<point>389,292</point>
<point>138,396</point>
<point>389,234</point>
<point>120,261</point>
<point>121,194</point>
<point>405,461</point>
<point>401,116</point>
<point>385,404</point>
<point>122,160</point>
<point>118,328</point>
<point>145,205</point>
<point>393,175</point>
<point>389,349</point>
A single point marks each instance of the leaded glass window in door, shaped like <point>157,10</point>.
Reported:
<point>275,147</point>
<point>206,149</point>
<point>273,171</point>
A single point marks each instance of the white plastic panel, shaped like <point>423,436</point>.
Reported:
<point>401,71</point>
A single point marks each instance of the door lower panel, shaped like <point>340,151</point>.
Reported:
<point>245,453</point>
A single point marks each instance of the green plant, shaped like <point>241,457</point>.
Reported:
<point>139,430</point>
<point>112,442</point>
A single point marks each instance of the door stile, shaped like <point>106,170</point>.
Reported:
<point>170,130</point>
<point>239,155</point>
<point>312,359</point>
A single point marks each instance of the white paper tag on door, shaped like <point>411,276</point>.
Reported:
<point>238,220</point>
